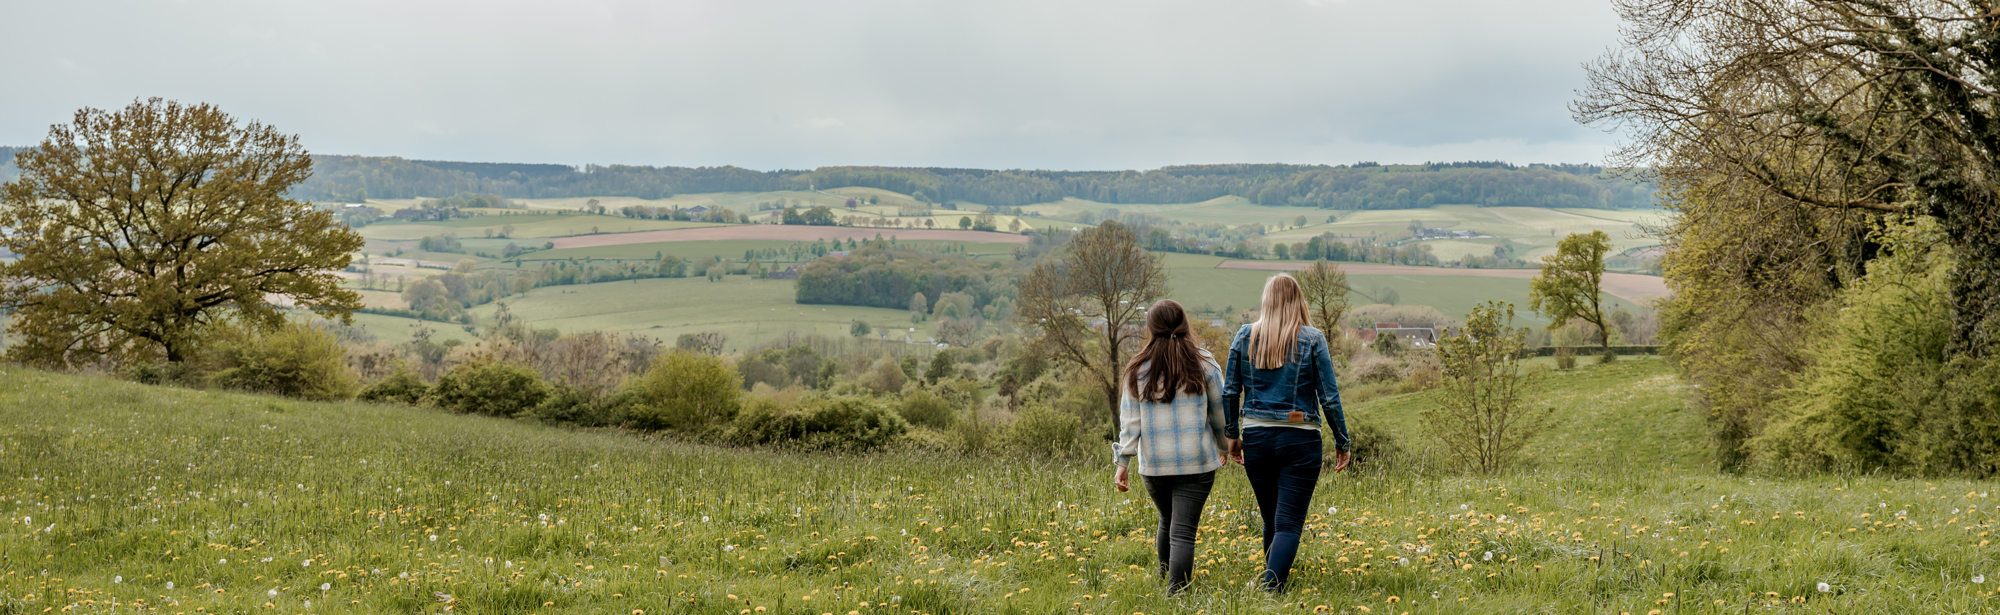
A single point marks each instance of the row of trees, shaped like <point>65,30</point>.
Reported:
<point>1361,186</point>
<point>1835,248</point>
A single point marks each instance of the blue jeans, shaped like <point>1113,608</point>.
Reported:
<point>1282,464</point>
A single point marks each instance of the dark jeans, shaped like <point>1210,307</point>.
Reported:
<point>1282,464</point>
<point>1179,499</point>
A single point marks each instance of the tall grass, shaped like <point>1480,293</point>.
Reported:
<point>112,491</point>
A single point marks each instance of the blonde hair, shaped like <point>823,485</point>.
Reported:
<point>1278,324</point>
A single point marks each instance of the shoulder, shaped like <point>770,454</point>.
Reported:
<point>1311,334</point>
<point>1244,331</point>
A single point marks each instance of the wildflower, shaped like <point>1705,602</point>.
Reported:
<point>170,584</point>
<point>325,586</point>
<point>1978,578</point>
<point>1824,588</point>
<point>1332,509</point>
<point>434,537</point>
<point>1488,557</point>
<point>307,564</point>
<point>402,575</point>
<point>222,561</point>
<point>273,593</point>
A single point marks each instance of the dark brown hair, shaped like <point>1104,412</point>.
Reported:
<point>1172,358</point>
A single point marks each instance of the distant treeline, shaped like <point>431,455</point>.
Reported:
<point>1359,186</point>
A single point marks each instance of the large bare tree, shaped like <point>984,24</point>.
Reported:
<point>140,228</point>
<point>1817,115</point>
<point>1088,304</point>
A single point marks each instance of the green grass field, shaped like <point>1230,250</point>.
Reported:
<point>749,311</point>
<point>533,226</point>
<point>1197,284</point>
<point>397,330</point>
<point>730,249</point>
<point>121,497</point>
<point>1532,232</point>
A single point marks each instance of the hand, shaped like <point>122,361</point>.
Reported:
<point>1122,479</point>
<point>1236,450</point>
<point>1341,459</point>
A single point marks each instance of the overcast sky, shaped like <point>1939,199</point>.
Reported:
<point>1056,84</point>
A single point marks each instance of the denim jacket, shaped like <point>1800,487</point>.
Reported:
<point>1304,384</point>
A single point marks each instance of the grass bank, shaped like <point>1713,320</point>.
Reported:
<point>121,497</point>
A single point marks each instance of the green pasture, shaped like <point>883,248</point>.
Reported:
<point>730,249</point>
<point>529,226</point>
<point>397,330</point>
<point>749,311</point>
<point>123,497</point>
<point>1531,231</point>
<point>1197,284</point>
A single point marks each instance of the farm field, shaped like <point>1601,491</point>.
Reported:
<point>1198,283</point>
<point>1632,287</point>
<point>730,249</point>
<point>749,311</point>
<point>786,233</point>
<point>397,329</point>
<point>539,226</point>
<point>1531,232</point>
<point>127,497</point>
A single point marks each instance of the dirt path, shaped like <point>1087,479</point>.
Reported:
<point>1632,287</point>
<point>774,232</point>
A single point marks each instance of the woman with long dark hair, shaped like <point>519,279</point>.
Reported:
<point>1279,386</point>
<point>1170,430</point>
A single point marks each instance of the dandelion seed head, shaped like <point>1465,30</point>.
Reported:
<point>1824,588</point>
<point>325,586</point>
<point>273,593</point>
<point>170,584</point>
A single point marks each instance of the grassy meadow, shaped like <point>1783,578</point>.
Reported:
<point>749,311</point>
<point>122,497</point>
<point>1198,284</point>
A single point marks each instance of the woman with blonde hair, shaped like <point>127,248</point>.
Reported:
<point>1170,430</point>
<point>1279,385</point>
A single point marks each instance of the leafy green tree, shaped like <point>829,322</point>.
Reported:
<point>1481,415</point>
<point>1325,288</point>
<point>139,230</point>
<point>689,391</point>
<point>1086,305</point>
<point>1571,284</point>
<point>859,329</point>
<point>965,223</point>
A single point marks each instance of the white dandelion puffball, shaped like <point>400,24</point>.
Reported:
<point>307,564</point>
<point>118,579</point>
<point>434,537</point>
<point>170,584</point>
<point>1978,578</point>
<point>1824,588</point>
<point>325,586</point>
<point>222,561</point>
<point>1332,509</point>
<point>273,593</point>
<point>1488,557</point>
<point>402,575</point>
<point>510,563</point>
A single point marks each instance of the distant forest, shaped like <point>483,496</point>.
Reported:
<point>1359,186</point>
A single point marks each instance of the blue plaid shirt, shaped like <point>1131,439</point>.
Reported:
<point>1183,436</point>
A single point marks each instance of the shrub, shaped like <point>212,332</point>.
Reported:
<point>1565,358</point>
<point>922,408</point>
<point>494,388</point>
<point>1373,445</point>
<point>763,421</point>
<point>401,386</point>
<point>1482,417</point>
<point>1609,356</point>
<point>972,434</point>
<point>849,424</point>
<point>1041,430</point>
<point>573,406</point>
<point>1371,367</point>
<point>688,391</point>
<point>294,360</point>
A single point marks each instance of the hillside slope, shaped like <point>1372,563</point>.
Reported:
<point>121,496</point>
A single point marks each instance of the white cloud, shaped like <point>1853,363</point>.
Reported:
<point>800,83</point>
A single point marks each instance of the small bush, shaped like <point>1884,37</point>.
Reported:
<point>1609,356</point>
<point>401,386</point>
<point>687,391</point>
<point>1565,358</point>
<point>972,434</point>
<point>850,424</point>
<point>573,406</point>
<point>1373,446</point>
<point>1370,367</point>
<point>494,388</point>
<point>764,422</point>
<point>294,360</point>
<point>1041,430</point>
<point>924,409</point>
